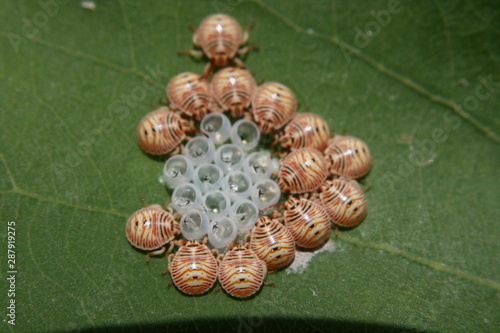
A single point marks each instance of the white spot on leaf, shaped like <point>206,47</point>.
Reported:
<point>302,259</point>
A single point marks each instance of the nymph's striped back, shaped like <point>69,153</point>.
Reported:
<point>193,268</point>
<point>348,156</point>
<point>233,88</point>
<point>302,170</point>
<point>344,201</point>
<point>273,243</point>
<point>189,93</point>
<point>161,131</point>
<point>306,130</point>
<point>241,272</point>
<point>308,222</point>
<point>273,106</point>
<point>150,228</point>
<point>219,36</point>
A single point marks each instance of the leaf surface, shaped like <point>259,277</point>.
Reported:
<point>420,85</point>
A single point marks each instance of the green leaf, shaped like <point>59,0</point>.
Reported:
<point>420,86</point>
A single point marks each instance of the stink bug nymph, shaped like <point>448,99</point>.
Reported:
<point>308,222</point>
<point>344,201</point>
<point>190,93</point>
<point>161,131</point>
<point>151,228</point>
<point>348,156</point>
<point>233,89</point>
<point>273,106</point>
<point>241,272</point>
<point>302,170</point>
<point>193,268</point>
<point>305,130</point>
<point>273,243</point>
<point>220,38</point>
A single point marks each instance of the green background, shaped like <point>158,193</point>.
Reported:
<point>422,90</point>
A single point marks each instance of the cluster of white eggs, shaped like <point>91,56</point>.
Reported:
<point>221,183</point>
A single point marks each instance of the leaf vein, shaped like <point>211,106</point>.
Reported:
<point>93,59</point>
<point>128,28</point>
<point>9,173</point>
<point>435,265</point>
<point>447,35</point>
<point>413,85</point>
<point>65,203</point>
